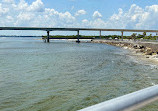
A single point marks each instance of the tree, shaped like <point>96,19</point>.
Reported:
<point>144,33</point>
<point>140,36</point>
<point>134,36</point>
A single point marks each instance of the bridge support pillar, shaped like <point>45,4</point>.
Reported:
<point>100,34</point>
<point>122,35</point>
<point>78,36</point>
<point>48,36</point>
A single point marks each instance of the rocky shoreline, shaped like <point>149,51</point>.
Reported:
<point>145,50</point>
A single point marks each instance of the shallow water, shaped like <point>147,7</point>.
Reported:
<point>64,75</point>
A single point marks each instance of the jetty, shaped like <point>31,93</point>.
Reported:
<point>48,30</point>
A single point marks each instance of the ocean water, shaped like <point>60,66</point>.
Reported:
<point>66,76</point>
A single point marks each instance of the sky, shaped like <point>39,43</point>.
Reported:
<point>120,14</point>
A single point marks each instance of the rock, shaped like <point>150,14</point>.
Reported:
<point>135,46</point>
<point>141,47</point>
<point>125,47</point>
<point>157,51</point>
<point>121,45</point>
<point>137,51</point>
<point>148,51</point>
<point>142,50</point>
<point>154,53</point>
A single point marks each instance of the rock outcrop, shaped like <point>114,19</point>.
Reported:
<point>145,48</point>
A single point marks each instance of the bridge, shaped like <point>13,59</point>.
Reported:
<point>48,30</point>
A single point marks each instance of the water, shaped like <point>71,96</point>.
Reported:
<point>64,75</point>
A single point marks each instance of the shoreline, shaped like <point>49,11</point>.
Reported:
<point>145,51</point>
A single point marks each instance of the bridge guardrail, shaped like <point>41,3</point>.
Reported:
<point>127,102</point>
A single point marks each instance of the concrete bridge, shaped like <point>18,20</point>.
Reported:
<point>74,29</point>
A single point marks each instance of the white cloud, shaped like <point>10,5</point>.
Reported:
<point>80,12</point>
<point>135,18</point>
<point>67,17</point>
<point>97,14</point>
<point>3,10</point>
<point>51,12</point>
<point>85,21</point>
<point>36,6</point>
<point>8,1</point>
<point>9,18</point>
<point>22,5</point>
<point>25,16</point>
<point>98,23</point>
<point>35,14</point>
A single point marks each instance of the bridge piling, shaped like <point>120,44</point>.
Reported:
<point>78,36</point>
<point>100,34</point>
<point>122,35</point>
<point>48,36</point>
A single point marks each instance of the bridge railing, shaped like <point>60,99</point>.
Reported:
<point>128,102</point>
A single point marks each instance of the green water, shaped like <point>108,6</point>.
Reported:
<point>66,76</point>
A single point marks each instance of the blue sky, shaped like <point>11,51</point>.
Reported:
<point>106,7</point>
<point>124,14</point>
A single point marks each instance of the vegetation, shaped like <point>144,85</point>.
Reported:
<point>69,37</point>
<point>144,34</point>
<point>134,36</point>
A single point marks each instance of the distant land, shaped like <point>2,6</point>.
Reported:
<point>17,36</point>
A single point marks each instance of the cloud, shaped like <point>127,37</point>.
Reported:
<point>22,5</point>
<point>3,10</point>
<point>36,14</point>
<point>85,21</point>
<point>80,12</point>
<point>25,16</point>
<point>96,14</point>
<point>135,18</point>
<point>67,17</point>
<point>8,1</point>
<point>36,6</point>
<point>97,23</point>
